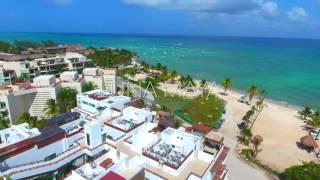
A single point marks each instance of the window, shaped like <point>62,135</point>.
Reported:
<point>50,157</point>
<point>88,139</point>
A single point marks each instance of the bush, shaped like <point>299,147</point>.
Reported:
<point>306,171</point>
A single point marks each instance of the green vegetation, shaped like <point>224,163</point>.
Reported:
<point>129,71</point>
<point>111,57</point>
<point>312,116</point>
<point>172,103</point>
<point>252,91</point>
<point>226,84</point>
<point>32,121</point>
<point>204,109</point>
<point>88,86</point>
<point>306,171</point>
<point>66,100</point>
<point>4,123</point>
<point>51,109</point>
<point>17,46</point>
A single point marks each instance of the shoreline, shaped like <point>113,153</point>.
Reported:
<point>240,92</point>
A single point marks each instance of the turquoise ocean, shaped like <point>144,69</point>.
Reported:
<point>288,69</point>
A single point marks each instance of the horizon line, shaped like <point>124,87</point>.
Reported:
<point>163,35</point>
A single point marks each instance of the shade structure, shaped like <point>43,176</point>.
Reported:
<point>258,138</point>
<point>309,141</point>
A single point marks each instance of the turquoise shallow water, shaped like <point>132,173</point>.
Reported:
<point>289,69</point>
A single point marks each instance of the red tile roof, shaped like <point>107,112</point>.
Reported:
<point>201,128</point>
<point>219,167</point>
<point>112,176</point>
<point>106,163</point>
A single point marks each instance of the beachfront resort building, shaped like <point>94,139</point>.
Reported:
<point>31,65</point>
<point>106,138</point>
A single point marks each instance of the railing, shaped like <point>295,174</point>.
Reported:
<point>44,165</point>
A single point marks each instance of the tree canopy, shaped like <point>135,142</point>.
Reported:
<point>88,86</point>
<point>67,99</point>
<point>306,171</point>
<point>17,46</point>
<point>111,57</point>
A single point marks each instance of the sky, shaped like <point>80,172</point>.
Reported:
<point>259,18</point>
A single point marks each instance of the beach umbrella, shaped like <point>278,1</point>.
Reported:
<point>309,141</point>
<point>257,138</point>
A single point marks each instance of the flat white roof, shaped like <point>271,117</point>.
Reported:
<point>69,73</point>
<point>17,133</point>
<point>44,77</point>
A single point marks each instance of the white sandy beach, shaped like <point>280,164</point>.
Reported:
<point>277,124</point>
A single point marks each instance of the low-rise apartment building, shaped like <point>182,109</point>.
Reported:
<point>103,138</point>
<point>32,65</point>
<point>24,96</point>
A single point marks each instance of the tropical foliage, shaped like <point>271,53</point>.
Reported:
<point>88,86</point>
<point>226,84</point>
<point>66,99</point>
<point>17,46</point>
<point>252,91</point>
<point>111,57</point>
<point>51,108</point>
<point>312,116</point>
<point>4,123</point>
<point>32,121</point>
<point>306,171</point>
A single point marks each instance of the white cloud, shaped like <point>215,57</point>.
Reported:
<point>270,8</point>
<point>217,6</point>
<point>297,13</point>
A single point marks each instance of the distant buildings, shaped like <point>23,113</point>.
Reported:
<point>24,96</point>
<point>105,138</point>
<point>43,61</point>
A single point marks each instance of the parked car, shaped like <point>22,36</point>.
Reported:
<point>243,99</point>
<point>315,133</point>
<point>242,125</point>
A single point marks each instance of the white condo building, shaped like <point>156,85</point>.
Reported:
<point>23,96</point>
<point>105,138</point>
<point>13,66</point>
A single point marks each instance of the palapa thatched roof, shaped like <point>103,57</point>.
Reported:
<point>309,141</point>
<point>258,138</point>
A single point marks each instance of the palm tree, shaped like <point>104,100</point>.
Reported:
<point>66,99</point>
<point>315,117</point>
<point>260,104</point>
<point>189,80</point>
<point>203,84</point>
<point>173,75</point>
<point>88,86</point>
<point>51,108</point>
<point>226,84</point>
<point>306,112</point>
<point>4,123</point>
<point>252,91</point>
<point>182,81</point>
<point>27,118</point>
